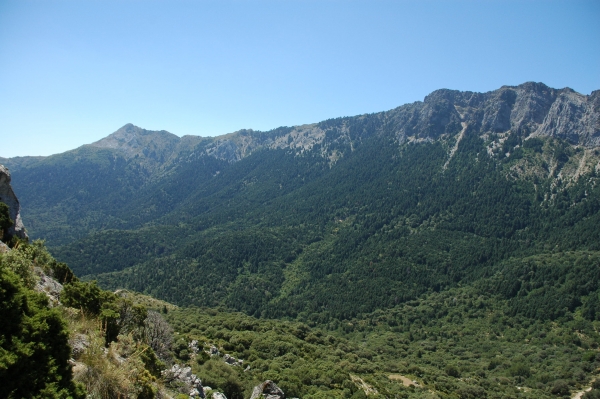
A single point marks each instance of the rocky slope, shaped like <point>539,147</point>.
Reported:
<point>530,110</point>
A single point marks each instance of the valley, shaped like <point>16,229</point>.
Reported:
<point>454,242</point>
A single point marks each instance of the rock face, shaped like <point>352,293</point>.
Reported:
<point>267,390</point>
<point>183,379</point>
<point>48,286</point>
<point>8,196</point>
<point>531,109</point>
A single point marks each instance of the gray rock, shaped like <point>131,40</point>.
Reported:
<point>48,286</point>
<point>213,351</point>
<point>267,390</point>
<point>194,346</point>
<point>218,395</point>
<point>8,196</point>
<point>79,343</point>
<point>183,379</point>
<point>232,361</point>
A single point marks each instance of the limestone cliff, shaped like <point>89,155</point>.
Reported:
<point>530,109</point>
<point>8,196</point>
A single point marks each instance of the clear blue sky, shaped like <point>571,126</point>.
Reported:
<point>72,72</point>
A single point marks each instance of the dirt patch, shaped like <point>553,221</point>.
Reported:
<point>579,395</point>
<point>405,380</point>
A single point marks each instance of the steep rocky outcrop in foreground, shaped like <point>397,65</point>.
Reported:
<point>8,196</point>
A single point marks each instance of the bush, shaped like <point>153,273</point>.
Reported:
<point>5,221</point>
<point>85,296</point>
<point>217,374</point>
<point>593,394</point>
<point>62,273</point>
<point>560,388</point>
<point>452,371</point>
<point>158,334</point>
<point>519,370</point>
<point>34,349</point>
<point>471,392</point>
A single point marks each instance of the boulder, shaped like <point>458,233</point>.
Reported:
<point>213,351</point>
<point>79,343</point>
<point>232,361</point>
<point>267,390</point>
<point>194,346</point>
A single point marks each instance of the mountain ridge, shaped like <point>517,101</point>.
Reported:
<point>419,197</point>
<point>533,109</point>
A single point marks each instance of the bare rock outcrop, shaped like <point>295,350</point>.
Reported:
<point>79,343</point>
<point>267,390</point>
<point>49,286</point>
<point>232,361</point>
<point>8,196</point>
<point>530,109</point>
<point>182,379</point>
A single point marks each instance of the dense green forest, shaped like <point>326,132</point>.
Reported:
<point>384,220</point>
<point>461,343</point>
<point>492,339</point>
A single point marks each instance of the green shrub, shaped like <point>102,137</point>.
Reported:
<point>560,388</point>
<point>452,371</point>
<point>5,221</point>
<point>216,373</point>
<point>593,394</point>
<point>519,370</point>
<point>86,296</point>
<point>34,349</point>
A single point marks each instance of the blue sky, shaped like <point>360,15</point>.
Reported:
<point>72,72</point>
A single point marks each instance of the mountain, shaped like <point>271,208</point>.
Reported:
<point>332,219</point>
<point>448,248</point>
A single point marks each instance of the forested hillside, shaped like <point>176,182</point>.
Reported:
<point>330,220</point>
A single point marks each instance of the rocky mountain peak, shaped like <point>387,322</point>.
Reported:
<point>133,140</point>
